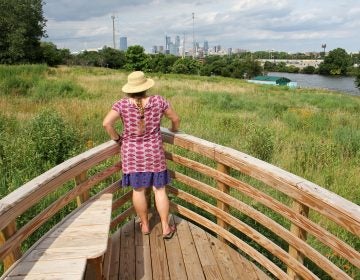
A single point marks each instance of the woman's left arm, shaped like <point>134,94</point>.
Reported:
<point>109,124</point>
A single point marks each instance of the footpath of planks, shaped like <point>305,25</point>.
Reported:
<point>191,254</point>
<point>64,252</point>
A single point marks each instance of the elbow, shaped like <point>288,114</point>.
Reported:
<point>106,125</point>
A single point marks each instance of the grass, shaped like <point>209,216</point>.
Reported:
<point>312,133</point>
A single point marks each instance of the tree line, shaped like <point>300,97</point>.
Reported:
<point>22,26</point>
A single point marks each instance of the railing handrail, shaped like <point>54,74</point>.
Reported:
<point>294,186</point>
<point>304,194</point>
<point>27,195</point>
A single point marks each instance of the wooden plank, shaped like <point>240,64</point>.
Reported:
<point>5,234</point>
<point>206,256</point>
<point>191,259</point>
<point>107,259</point>
<point>158,254</point>
<point>225,263</point>
<point>127,252</point>
<point>115,255</point>
<point>142,255</point>
<point>174,256</point>
<point>274,269</point>
<point>56,251</point>
<point>73,267</point>
<point>244,267</point>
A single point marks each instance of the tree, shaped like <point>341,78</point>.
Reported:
<point>335,63</point>
<point>113,58</point>
<point>136,59</point>
<point>162,63</point>
<point>186,66</point>
<point>50,53</point>
<point>22,25</point>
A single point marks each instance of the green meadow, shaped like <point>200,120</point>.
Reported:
<point>50,114</point>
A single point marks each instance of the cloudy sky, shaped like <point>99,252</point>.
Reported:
<point>280,25</point>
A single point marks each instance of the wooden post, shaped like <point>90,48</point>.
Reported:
<point>300,233</point>
<point>82,177</point>
<point>5,234</point>
<point>224,188</point>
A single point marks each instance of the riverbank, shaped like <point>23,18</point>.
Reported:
<point>315,81</point>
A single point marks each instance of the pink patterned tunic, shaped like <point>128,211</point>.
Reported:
<point>143,158</point>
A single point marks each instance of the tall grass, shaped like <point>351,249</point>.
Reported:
<point>311,133</point>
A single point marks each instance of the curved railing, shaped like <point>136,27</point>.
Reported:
<point>289,226</point>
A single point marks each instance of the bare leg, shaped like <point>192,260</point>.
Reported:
<point>162,206</point>
<point>140,205</point>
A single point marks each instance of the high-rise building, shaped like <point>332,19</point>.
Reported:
<point>206,47</point>
<point>167,43</point>
<point>123,43</point>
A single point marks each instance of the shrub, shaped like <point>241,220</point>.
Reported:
<point>349,141</point>
<point>49,89</point>
<point>54,139</point>
<point>260,142</point>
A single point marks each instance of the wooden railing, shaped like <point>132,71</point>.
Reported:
<point>289,226</point>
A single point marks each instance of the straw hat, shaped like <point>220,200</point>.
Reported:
<point>137,82</point>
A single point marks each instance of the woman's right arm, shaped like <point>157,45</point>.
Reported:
<point>109,122</point>
<point>174,118</point>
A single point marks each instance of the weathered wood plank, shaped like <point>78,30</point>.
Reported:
<point>225,263</point>
<point>191,259</point>
<point>174,256</point>
<point>158,253</point>
<point>206,256</point>
<point>142,255</point>
<point>127,252</point>
<point>270,266</point>
<point>55,252</point>
<point>244,267</point>
<point>115,255</point>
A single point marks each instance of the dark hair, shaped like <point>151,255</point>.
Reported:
<point>137,94</point>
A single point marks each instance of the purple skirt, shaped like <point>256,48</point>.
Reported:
<point>146,179</point>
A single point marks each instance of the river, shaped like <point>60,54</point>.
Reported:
<point>343,84</point>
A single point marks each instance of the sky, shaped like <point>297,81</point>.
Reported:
<point>262,25</point>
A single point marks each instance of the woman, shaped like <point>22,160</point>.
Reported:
<point>142,154</point>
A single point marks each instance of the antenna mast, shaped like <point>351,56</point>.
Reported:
<point>113,20</point>
<point>194,50</point>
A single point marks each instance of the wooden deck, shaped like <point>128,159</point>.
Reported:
<point>191,254</point>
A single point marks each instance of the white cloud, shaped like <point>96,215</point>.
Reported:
<point>287,25</point>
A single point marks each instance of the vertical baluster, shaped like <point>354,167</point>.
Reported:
<point>224,188</point>
<point>80,199</point>
<point>300,233</point>
<point>5,234</point>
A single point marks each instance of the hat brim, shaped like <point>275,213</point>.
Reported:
<point>135,89</point>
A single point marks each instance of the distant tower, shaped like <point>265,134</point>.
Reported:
<point>206,47</point>
<point>123,43</point>
<point>194,49</point>
<point>167,44</point>
<point>113,21</point>
<point>324,47</point>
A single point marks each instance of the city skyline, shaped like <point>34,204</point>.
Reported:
<point>280,25</point>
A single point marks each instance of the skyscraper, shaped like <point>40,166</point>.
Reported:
<point>123,43</point>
